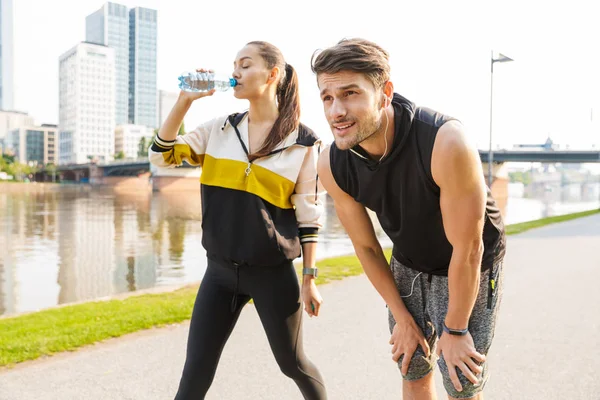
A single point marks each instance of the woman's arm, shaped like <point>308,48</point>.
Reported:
<point>309,209</point>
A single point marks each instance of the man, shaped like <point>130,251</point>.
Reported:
<point>416,170</point>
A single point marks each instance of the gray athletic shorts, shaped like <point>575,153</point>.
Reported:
<point>428,304</point>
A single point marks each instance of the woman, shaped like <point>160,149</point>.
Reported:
<point>260,208</point>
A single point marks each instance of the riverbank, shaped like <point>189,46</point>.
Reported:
<point>38,187</point>
<point>66,328</point>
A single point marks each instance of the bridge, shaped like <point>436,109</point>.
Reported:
<point>125,167</point>
<point>140,174</point>
<point>544,156</point>
<point>135,174</point>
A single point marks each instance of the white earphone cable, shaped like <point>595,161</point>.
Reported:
<point>412,286</point>
<point>387,121</point>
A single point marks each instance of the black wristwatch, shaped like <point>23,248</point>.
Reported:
<point>457,332</point>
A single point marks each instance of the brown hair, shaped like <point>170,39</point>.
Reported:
<point>357,55</point>
<point>288,99</point>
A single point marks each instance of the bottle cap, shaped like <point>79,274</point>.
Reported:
<point>232,82</point>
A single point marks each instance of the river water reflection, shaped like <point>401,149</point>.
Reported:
<point>64,244</point>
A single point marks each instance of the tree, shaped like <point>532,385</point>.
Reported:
<point>51,169</point>
<point>3,163</point>
<point>32,169</point>
<point>143,147</point>
<point>6,162</point>
<point>120,155</point>
<point>18,170</point>
<point>518,176</point>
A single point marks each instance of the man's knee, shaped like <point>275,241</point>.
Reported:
<point>417,385</point>
<point>478,396</point>
<point>419,367</point>
<point>469,389</point>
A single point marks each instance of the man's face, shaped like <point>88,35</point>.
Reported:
<point>352,106</point>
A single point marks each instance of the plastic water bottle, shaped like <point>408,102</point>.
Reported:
<point>205,81</point>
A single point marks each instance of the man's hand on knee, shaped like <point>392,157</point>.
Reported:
<point>406,336</point>
<point>459,352</point>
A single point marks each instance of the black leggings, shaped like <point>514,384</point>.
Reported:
<point>276,296</point>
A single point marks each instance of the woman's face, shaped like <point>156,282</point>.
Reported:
<point>252,74</point>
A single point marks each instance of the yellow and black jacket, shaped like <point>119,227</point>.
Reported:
<point>255,213</point>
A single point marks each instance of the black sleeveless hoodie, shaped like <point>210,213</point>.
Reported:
<point>401,191</point>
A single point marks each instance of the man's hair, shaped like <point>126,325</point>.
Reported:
<point>356,55</point>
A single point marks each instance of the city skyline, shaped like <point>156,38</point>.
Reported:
<point>440,59</point>
<point>108,81</point>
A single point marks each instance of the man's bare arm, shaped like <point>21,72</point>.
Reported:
<point>359,227</point>
<point>406,335</point>
<point>456,168</point>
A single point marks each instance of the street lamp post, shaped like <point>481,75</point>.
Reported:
<point>501,58</point>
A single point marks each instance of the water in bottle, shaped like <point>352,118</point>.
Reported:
<point>205,81</point>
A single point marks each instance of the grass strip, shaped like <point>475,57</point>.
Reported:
<point>30,336</point>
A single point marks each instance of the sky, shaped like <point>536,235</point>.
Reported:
<point>439,53</point>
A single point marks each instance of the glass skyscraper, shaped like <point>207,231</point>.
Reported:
<point>142,66</point>
<point>110,26</point>
<point>132,34</point>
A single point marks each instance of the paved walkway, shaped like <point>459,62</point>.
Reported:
<point>547,343</point>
